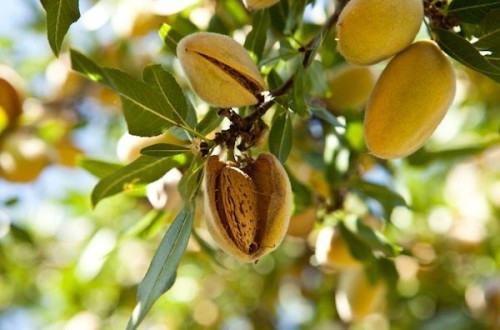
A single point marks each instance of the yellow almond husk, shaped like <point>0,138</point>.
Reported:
<point>301,224</point>
<point>23,157</point>
<point>409,100</point>
<point>248,209</point>
<point>350,86</point>
<point>259,4</point>
<point>219,70</point>
<point>369,31</point>
<point>10,101</point>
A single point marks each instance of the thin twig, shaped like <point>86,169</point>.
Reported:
<point>249,126</point>
<point>311,48</point>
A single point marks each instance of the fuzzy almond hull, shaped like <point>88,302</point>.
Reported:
<point>219,70</point>
<point>409,101</point>
<point>369,31</point>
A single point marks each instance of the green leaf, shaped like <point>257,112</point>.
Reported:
<point>274,80</point>
<point>164,150</point>
<point>295,16</point>
<point>472,11</point>
<point>335,157</point>
<point>98,168</point>
<point>297,94</point>
<point>145,109</point>
<point>207,249</point>
<point>375,240</point>
<point>217,25</point>
<point>462,51</point>
<point>285,53</point>
<point>314,85</point>
<point>491,22</point>
<point>191,180</point>
<point>385,196</point>
<point>145,169</point>
<point>489,39</point>
<point>280,136</point>
<point>171,93</point>
<point>315,46</point>
<point>325,115</point>
<point>302,196</point>
<point>162,271</point>
<point>170,37</point>
<point>143,227</point>
<point>210,122</point>
<point>20,234</point>
<point>232,14</point>
<point>423,157</point>
<point>279,13</point>
<point>89,69</point>
<point>256,39</point>
<point>358,249</point>
<point>494,58</point>
<point>387,269</point>
<point>60,15</point>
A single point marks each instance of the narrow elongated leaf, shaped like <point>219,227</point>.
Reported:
<point>207,249</point>
<point>375,240</point>
<point>256,39</point>
<point>386,197</point>
<point>357,247</point>
<point>294,17</point>
<point>494,58</point>
<point>378,191</point>
<point>60,15</point>
<point>489,40</point>
<point>280,137</point>
<point>274,80</point>
<point>161,273</point>
<point>314,85</point>
<point>145,109</point>
<point>490,29</point>
<point>164,150</point>
<point>302,195</point>
<point>462,51</point>
<point>297,95</point>
<point>88,68</point>
<point>491,22</point>
<point>147,224</point>
<point>210,122</point>
<point>279,13</point>
<point>170,37</point>
<point>472,11</point>
<point>285,53</point>
<point>98,168</point>
<point>325,115</point>
<point>423,157</point>
<point>191,180</point>
<point>143,170</point>
<point>171,93</point>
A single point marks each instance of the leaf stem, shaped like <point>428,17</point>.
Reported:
<point>187,129</point>
<point>195,133</point>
